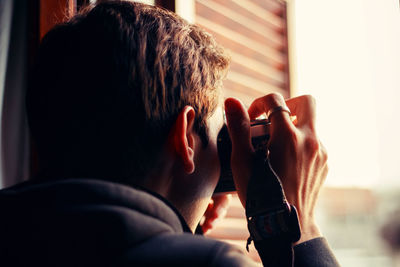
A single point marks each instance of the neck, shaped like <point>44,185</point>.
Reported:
<point>189,207</point>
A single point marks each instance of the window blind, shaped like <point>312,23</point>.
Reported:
<point>255,33</point>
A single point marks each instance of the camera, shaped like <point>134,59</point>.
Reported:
<point>259,130</point>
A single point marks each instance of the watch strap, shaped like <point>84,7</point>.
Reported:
<point>264,190</point>
<point>272,222</point>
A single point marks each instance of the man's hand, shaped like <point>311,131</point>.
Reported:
<point>216,211</point>
<point>295,152</point>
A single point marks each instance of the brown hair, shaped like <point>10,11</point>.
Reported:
<point>109,85</point>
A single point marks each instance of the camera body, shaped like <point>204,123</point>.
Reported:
<point>259,130</point>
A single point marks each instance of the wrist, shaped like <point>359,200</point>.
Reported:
<point>309,230</point>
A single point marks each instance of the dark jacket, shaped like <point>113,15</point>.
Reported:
<point>86,222</point>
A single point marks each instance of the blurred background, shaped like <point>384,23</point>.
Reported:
<point>344,52</point>
<point>348,57</point>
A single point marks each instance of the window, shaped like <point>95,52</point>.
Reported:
<point>348,58</point>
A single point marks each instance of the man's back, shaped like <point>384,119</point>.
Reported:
<point>82,222</point>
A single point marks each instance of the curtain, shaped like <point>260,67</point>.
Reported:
<point>14,146</point>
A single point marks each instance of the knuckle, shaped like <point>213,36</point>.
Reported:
<point>273,99</point>
<point>274,95</point>
<point>308,100</point>
<point>311,145</point>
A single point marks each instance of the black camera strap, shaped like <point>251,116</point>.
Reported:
<point>272,221</point>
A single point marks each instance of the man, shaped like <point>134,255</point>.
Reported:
<point>125,109</point>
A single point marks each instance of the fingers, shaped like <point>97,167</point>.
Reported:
<point>304,108</point>
<point>263,104</point>
<point>218,207</point>
<point>287,138</point>
<point>216,211</point>
<point>239,131</point>
<point>280,120</point>
<point>238,124</point>
<point>221,201</point>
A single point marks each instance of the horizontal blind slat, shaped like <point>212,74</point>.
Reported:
<point>258,66</point>
<point>263,49</point>
<point>262,13</point>
<point>245,93</point>
<point>238,7</point>
<point>258,74</point>
<point>275,7</point>
<point>254,84</point>
<point>204,8</point>
<point>241,49</point>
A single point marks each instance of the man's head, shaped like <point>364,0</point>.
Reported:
<point>110,84</point>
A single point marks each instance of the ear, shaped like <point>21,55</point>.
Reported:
<point>182,138</point>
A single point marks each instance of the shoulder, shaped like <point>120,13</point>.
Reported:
<point>184,249</point>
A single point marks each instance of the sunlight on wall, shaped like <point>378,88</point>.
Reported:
<point>348,57</point>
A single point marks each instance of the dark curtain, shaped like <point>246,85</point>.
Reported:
<point>14,156</point>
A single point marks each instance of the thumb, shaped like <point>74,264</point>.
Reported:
<point>238,122</point>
